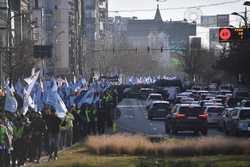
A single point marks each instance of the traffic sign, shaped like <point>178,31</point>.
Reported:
<point>225,34</point>
<point>229,34</point>
<point>42,51</point>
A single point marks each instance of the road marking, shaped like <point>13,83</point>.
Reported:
<point>130,106</point>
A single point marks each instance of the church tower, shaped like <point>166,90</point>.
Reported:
<point>158,17</point>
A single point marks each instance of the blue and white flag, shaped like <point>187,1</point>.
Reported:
<point>10,101</point>
<point>53,99</point>
<point>19,88</point>
<point>27,100</point>
<point>88,98</point>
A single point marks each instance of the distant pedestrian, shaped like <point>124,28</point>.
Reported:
<point>53,124</point>
<point>38,129</point>
<point>69,129</point>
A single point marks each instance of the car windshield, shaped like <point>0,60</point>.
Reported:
<point>245,114</point>
<point>247,104</point>
<point>155,97</point>
<point>160,106</point>
<point>191,111</point>
<point>215,110</point>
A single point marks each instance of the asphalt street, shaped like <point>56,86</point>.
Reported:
<point>133,119</point>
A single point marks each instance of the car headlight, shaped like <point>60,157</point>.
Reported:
<point>243,125</point>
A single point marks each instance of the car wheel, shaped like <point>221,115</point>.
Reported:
<point>167,130</point>
<point>226,131</point>
<point>204,132</point>
<point>196,132</point>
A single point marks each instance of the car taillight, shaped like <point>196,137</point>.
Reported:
<point>180,116</point>
<point>203,116</point>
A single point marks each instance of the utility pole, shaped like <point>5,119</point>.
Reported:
<point>9,43</point>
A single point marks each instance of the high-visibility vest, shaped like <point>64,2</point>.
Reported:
<point>87,114</point>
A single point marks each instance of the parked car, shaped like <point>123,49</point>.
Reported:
<point>214,113</point>
<point>158,109</point>
<point>187,117</point>
<point>225,116</point>
<point>238,121</point>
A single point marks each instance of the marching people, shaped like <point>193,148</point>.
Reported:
<point>38,128</point>
<point>69,129</point>
<point>76,124</point>
<point>3,143</point>
<point>53,124</point>
<point>100,117</point>
<point>107,101</point>
<point>23,137</point>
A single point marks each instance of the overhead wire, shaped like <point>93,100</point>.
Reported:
<point>177,8</point>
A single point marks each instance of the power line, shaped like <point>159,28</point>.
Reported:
<point>177,8</point>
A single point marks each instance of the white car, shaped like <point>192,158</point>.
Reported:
<point>153,97</point>
<point>214,113</point>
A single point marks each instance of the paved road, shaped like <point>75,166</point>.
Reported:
<point>133,119</point>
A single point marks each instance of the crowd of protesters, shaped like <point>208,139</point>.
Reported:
<point>24,138</point>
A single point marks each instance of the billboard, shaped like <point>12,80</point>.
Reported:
<point>208,21</point>
<point>215,21</point>
<point>222,20</point>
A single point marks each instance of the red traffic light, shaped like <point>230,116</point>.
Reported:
<point>225,34</point>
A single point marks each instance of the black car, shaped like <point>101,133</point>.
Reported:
<point>187,117</point>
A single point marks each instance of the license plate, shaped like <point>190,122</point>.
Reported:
<point>192,117</point>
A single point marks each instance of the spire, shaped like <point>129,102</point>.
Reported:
<point>158,15</point>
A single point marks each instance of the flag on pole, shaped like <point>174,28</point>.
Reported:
<point>19,88</point>
<point>27,100</point>
<point>10,100</point>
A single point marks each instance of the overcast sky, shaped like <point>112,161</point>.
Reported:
<point>174,14</point>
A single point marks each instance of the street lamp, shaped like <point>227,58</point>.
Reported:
<point>244,18</point>
<point>247,3</point>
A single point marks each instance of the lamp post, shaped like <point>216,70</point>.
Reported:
<point>246,3</point>
<point>243,17</point>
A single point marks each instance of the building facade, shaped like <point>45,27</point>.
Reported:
<point>59,24</point>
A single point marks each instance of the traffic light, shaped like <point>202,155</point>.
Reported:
<point>228,34</point>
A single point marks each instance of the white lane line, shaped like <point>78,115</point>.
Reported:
<point>130,106</point>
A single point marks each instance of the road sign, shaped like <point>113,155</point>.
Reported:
<point>225,34</point>
<point>42,51</point>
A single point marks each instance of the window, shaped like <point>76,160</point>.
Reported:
<point>234,113</point>
<point>245,114</point>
